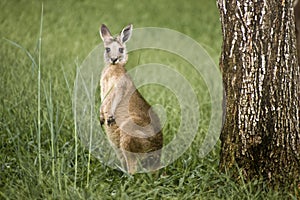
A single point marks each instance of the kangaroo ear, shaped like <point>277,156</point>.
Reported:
<point>104,33</point>
<point>126,33</point>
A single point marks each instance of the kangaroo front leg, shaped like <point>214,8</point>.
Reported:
<point>102,119</point>
<point>117,97</point>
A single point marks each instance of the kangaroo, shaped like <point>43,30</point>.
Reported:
<point>131,125</point>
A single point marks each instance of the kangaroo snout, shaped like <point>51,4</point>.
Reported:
<point>114,60</point>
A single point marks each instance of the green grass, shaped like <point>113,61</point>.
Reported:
<point>40,155</point>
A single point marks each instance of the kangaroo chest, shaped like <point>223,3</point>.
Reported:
<point>110,78</point>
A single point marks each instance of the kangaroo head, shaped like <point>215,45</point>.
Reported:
<point>115,49</point>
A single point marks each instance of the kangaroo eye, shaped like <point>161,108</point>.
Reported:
<point>121,50</point>
<point>107,49</point>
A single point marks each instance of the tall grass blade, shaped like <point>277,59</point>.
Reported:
<point>67,82</point>
<point>23,49</point>
<point>91,135</point>
<point>39,95</point>
<point>49,103</point>
<point>75,125</point>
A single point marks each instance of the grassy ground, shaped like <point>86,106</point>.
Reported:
<point>40,157</point>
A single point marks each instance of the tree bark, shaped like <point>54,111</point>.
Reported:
<point>261,134</point>
<point>297,21</point>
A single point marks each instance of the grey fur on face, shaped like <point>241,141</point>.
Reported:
<point>115,48</point>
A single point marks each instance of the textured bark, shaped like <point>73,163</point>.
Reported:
<point>261,80</point>
<point>297,19</point>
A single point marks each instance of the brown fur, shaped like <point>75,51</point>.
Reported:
<point>131,126</point>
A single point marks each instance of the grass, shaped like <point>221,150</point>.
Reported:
<point>41,156</point>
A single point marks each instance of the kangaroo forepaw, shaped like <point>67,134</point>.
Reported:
<point>102,120</point>
<point>111,120</point>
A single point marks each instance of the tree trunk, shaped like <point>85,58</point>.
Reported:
<point>297,20</point>
<point>261,79</point>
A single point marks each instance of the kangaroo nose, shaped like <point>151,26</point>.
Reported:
<point>114,60</point>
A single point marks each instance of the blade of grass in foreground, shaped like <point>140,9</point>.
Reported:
<point>91,134</point>
<point>49,104</point>
<point>75,124</point>
<point>39,95</point>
